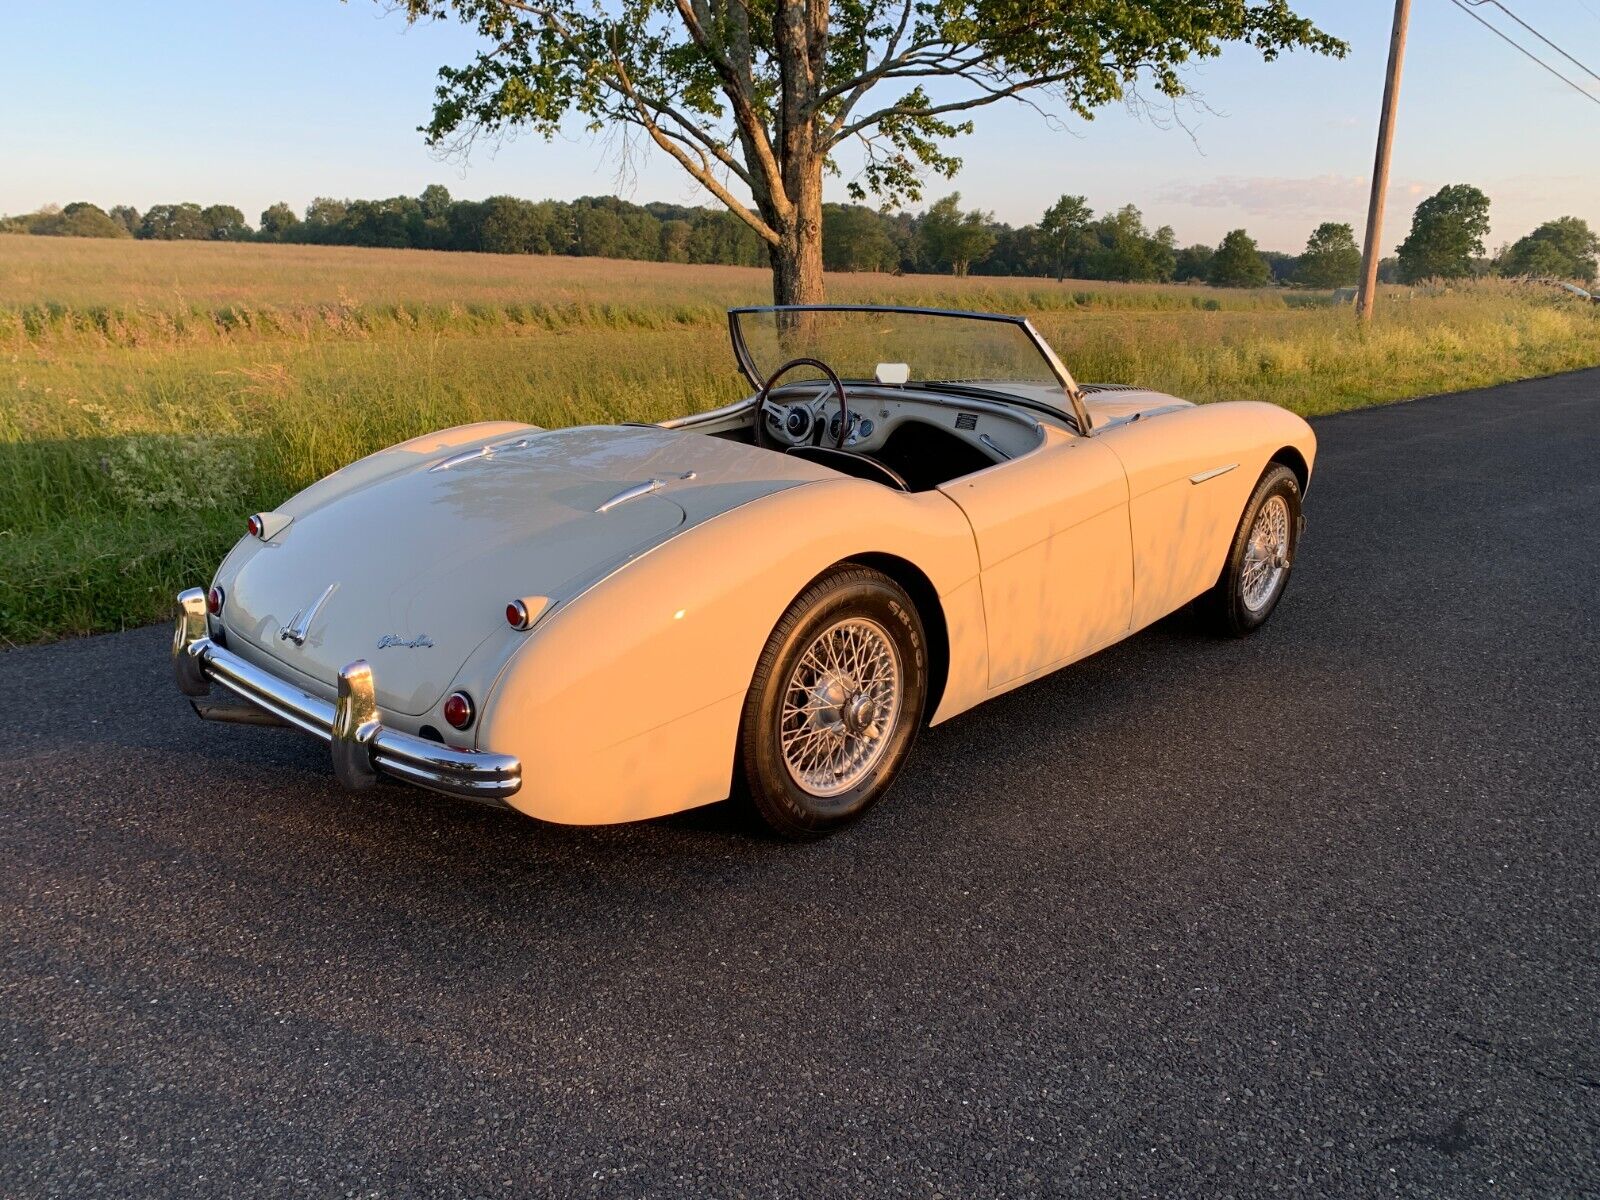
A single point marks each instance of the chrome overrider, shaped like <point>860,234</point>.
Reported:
<point>353,728</point>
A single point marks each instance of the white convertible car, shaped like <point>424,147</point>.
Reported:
<point>914,512</point>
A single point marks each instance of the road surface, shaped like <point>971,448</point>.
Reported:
<point>1317,912</point>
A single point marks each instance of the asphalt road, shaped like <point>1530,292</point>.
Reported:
<point>1315,913</point>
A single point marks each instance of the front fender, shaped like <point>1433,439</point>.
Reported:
<point>625,702</point>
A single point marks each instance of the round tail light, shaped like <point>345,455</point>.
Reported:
<point>254,525</point>
<point>458,709</point>
<point>214,600</point>
<point>517,615</point>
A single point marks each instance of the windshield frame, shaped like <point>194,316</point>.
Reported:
<point>1077,415</point>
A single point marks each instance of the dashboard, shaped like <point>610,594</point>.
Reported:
<point>808,414</point>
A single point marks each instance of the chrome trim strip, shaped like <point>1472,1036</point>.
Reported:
<point>360,745</point>
<point>300,624</point>
<point>632,493</point>
<point>638,490</point>
<point>488,450</point>
<point>1212,474</point>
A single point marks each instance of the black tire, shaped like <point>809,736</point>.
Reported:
<point>849,600</point>
<point>1227,607</point>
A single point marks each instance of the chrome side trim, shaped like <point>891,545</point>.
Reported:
<point>300,624</point>
<point>360,745</point>
<point>485,451</point>
<point>1212,474</point>
<point>638,490</point>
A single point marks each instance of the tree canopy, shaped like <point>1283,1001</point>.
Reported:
<point>1064,231</point>
<point>1237,263</point>
<point>1331,258</point>
<point>1447,233</point>
<point>759,98</point>
<point>952,239</point>
<point>1565,248</point>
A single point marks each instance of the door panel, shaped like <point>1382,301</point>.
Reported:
<point>1189,476</point>
<point>1055,553</point>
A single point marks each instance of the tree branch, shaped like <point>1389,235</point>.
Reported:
<point>701,171</point>
<point>935,110</point>
<point>740,95</point>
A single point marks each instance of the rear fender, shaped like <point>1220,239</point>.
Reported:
<point>625,702</point>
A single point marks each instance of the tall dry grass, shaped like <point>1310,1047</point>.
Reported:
<point>150,394</point>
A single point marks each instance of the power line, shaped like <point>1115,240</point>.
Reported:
<point>1586,70</point>
<point>1520,49</point>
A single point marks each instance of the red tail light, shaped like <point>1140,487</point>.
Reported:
<point>517,615</point>
<point>214,600</point>
<point>254,525</point>
<point>458,709</point>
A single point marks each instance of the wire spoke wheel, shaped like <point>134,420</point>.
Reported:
<point>840,706</point>
<point>1266,555</point>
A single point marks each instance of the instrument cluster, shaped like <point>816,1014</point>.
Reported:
<point>800,424</point>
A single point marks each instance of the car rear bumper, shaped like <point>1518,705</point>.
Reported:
<point>361,747</point>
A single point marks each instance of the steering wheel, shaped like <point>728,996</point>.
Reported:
<point>761,434</point>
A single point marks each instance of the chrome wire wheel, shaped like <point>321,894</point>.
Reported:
<point>1266,555</point>
<point>840,706</point>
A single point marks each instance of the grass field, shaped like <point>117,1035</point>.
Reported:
<point>151,394</point>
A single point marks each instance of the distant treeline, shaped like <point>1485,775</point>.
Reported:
<point>1116,246</point>
<point>1068,241</point>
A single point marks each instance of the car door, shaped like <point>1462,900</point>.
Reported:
<point>1189,474</point>
<point>1055,556</point>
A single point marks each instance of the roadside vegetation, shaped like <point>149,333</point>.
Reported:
<point>154,393</point>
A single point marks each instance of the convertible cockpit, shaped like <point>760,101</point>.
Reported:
<point>907,440</point>
<point>909,398</point>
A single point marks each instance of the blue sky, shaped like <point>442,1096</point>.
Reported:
<point>250,101</point>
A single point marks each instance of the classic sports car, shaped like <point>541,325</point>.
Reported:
<point>914,512</point>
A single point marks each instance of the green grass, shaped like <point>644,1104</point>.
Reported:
<point>153,394</point>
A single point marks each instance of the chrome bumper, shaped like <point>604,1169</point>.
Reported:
<point>361,746</point>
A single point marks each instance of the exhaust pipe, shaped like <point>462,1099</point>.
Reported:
<point>208,708</point>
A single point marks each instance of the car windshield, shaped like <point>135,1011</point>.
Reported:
<point>949,348</point>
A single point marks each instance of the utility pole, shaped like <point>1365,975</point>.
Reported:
<point>1371,249</point>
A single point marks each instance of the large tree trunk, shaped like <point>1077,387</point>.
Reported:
<point>797,258</point>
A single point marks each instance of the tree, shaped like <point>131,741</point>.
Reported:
<point>227,223</point>
<point>278,223</point>
<point>1237,263</point>
<point>1447,233</point>
<point>855,238</point>
<point>82,219</point>
<point>1064,230</point>
<point>1331,259</point>
<point>1280,266</point>
<point>1565,248</point>
<point>175,222</point>
<point>1125,251</point>
<point>1019,252</point>
<point>954,239</point>
<point>323,216</point>
<point>758,97</point>
<point>1194,263</point>
<point>511,226</point>
<point>127,216</point>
